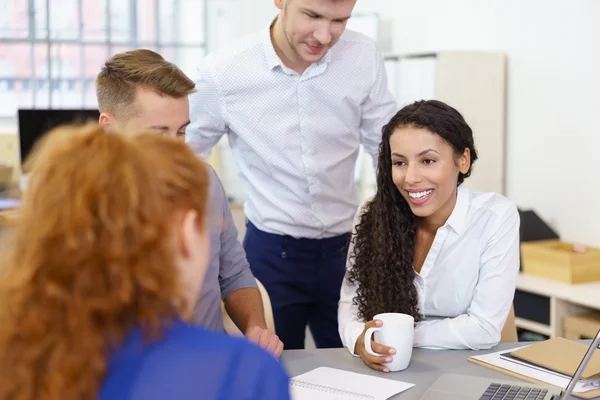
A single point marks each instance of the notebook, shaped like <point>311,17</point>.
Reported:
<point>325,383</point>
<point>560,355</point>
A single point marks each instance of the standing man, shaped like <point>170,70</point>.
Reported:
<point>140,91</point>
<point>296,101</point>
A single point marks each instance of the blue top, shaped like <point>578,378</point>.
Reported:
<point>190,362</point>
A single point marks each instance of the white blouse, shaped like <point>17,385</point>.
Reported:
<point>467,283</point>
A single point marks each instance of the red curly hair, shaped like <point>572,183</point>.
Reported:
<point>91,257</point>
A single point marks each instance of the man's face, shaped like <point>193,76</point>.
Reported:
<point>166,115</point>
<point>312,27</point>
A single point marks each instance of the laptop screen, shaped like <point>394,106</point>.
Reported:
<point>33,124</point>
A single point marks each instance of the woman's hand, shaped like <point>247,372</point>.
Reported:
<point>375,362</point>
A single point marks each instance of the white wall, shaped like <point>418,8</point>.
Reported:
<point>231,19</point>
<point>553,49</point>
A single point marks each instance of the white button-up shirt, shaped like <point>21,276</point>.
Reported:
<point>295,137</point>
<point>467,283</point>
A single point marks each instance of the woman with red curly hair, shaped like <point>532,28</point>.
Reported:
<point>108,253</point>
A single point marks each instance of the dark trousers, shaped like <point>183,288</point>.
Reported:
<point>303,278</point>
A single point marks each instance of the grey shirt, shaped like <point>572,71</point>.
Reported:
<point>228,269</point>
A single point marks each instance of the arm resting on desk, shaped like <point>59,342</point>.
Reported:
<point>245,308</point>
<point>238,286</point>
<point>239,290</point>
<point>480,328</point>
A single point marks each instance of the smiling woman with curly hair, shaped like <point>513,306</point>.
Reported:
<point>428,247</point>
<point>100,273</point>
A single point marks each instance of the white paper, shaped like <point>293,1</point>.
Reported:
<point>552,379</point>
<point>9,203</point>
<point>325,383</point>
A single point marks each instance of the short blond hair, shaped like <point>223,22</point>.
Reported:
<point>123,73</point>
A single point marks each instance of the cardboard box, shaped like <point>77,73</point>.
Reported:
<point>584,326</point>
<point>6,173</point>
<point>560,261</point>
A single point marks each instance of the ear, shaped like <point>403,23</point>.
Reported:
<point>107,121</point>
<point>192,255</point>
<point>189,233</point>
<point>464,161</point>
<point>279,4</point>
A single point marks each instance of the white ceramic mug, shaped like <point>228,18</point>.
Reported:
<point>397,332</point>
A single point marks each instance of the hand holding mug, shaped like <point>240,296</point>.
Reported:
<point>387,341</point>
<point>374,361</point>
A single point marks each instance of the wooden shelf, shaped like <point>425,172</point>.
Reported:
<point>533,326</point>
<point>583,294</point>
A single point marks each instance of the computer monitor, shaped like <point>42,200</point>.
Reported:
<point>34,123</point>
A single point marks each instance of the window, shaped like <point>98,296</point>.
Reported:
<point>52,50</point>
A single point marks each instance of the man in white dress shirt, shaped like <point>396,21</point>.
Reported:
<point>296,101</point>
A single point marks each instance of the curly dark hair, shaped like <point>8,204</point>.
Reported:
<point>384,242</point>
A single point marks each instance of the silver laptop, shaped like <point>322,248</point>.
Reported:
<point>462,387</point>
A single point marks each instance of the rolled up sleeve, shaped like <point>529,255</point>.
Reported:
<point>234,270</point>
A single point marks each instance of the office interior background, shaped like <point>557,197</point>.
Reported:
<point>545,144</point>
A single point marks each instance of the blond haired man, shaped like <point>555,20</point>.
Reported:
<point>139,90</point>
<point>296,100</point>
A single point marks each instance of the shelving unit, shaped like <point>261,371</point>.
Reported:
<point>533,326</point>
<point>565,299</point>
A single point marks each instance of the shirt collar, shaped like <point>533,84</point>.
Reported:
<point>457,219</point>
<point>271,56</point>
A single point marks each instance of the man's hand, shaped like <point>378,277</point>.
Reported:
<point>265,339</point>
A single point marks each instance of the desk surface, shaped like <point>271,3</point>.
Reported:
<point>425,367</point>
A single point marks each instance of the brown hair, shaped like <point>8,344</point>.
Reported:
<point>91,257</point>
<point>123,73</point>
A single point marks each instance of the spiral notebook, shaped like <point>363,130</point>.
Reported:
<point>325,383</point>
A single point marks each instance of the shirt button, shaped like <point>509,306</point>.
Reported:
<point>283,255</point>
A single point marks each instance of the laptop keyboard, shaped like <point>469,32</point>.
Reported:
<point>507,392</point>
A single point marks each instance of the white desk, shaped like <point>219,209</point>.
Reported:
<point>565,299</point>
